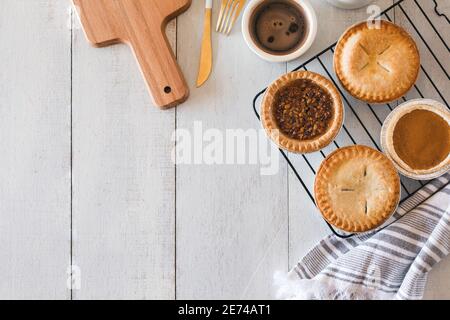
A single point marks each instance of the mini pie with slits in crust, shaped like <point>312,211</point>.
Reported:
<point>357,188</point>
<point>377,65</point>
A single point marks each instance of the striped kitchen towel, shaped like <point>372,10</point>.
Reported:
<point>392,263</point>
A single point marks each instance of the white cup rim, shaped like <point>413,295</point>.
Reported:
<point>312,33</point>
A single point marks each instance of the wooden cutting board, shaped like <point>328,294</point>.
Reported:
<point>141,24</point>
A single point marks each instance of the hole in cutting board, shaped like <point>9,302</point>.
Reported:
<point>167,89</point>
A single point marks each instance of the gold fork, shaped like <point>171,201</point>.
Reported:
<point>229,12</point>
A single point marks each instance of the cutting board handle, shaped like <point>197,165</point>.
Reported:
<point>141,24</point>
<point>156,59</point>
<point>159,67</point>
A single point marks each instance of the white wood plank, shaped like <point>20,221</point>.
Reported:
<point>235,228</point>
<point>306,226</point>
<point>124,180</point>
<point>438,286</point>
<point>231,221</point>
<point>35,150</point>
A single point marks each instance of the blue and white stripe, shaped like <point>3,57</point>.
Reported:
<point>392,263</point>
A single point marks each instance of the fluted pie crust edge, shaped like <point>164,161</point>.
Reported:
<point>383,69</point>
<point>357,189</point>
<point>301,146</point>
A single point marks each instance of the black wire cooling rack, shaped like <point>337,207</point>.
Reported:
<point>363,121</point>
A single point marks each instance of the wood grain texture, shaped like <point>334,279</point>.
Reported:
<point>231,221</point>
<point>234,227</point>
<point>141,24</point>
<point>306,227</point>
<point>124,180</point>
<point>438,286</point>
<point>35,150</point>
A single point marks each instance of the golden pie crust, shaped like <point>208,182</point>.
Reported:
<point>357,188</point>
<point>377,65</point>
<point>395,117</point>
<point>293,145</point>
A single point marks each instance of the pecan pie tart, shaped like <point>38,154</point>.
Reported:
<point>357,188</point>
<point>302,112</point>
<point>416,135</point>
<point>377,65</point>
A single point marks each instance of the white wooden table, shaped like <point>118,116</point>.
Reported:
<point>86,176</point>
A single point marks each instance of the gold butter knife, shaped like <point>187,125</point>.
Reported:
<point>206,51</point>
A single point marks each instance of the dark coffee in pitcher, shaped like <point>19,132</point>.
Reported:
<point>279,27</point>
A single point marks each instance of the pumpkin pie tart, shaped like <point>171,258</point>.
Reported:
<point>357,188</point>
<point>377,65</point>
<point>302,112</point>
<point>417,138</point>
